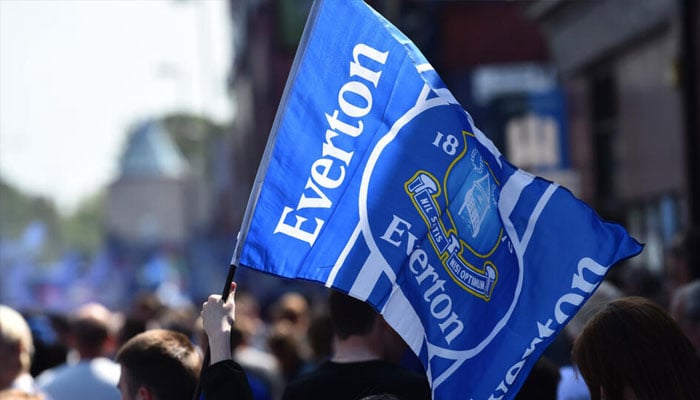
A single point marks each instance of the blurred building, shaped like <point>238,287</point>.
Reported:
<point>264,43</point>
<point>154,201</point>
<point>620,63</point>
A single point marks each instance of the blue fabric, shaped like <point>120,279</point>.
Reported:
<point>377,183</point>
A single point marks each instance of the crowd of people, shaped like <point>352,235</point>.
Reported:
<point>156,352</point>
<point>618,347</point>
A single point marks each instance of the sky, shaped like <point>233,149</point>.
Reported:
<point>76,75</point>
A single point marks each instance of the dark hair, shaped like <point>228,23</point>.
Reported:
<point>90,334</point>
<point>691,292</point>
<point>633,344</point>
<point>541,382</point>
<point>349,315</point>
<point>381,396</point>
<point>321,334</point>
<point>164,361</point>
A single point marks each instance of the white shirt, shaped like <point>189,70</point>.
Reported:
<point>88,379</point>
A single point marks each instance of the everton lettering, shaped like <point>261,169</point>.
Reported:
<point>328,171</point>
<point>581,288</point>
<point>427,278</point>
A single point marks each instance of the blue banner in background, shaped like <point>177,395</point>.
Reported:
<point>376,182</point>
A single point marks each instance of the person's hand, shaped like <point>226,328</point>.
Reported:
<point>217,318</point>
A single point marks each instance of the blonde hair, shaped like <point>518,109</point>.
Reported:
<point>14,330</point>
<point>17,394</point>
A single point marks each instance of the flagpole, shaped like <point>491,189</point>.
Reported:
<point>207,356</point>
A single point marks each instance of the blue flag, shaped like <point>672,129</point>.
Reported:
<point>376,182</point>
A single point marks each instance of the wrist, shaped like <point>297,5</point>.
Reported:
<point>220,348</point>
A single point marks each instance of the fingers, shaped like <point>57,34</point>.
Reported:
<point>216,299</point>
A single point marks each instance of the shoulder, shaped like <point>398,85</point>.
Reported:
<point>106,366</point>
<point>95,372</point>
<point>312,381</point>
<point>321,372</point>
<point>353,380</point>
<point>48,376</point>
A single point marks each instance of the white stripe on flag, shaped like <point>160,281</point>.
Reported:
<point>399,313</point>
<point>369,275</point>
<point>424,67</point>
<point>343,255</point>
<point>510,194</point>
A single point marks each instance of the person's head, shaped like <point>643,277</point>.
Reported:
<point>685,309</point>
<point>294,308</point>
<point>248,321</point>
<point>351,317</point>
<point>604,294</point>
<point>321,334</point>
<point>288,349</point>
<point>158,365</point>
<point>179,319</point>
<point>541,382</point>
<point>92,331</point>
<point>680,256</point>
<point>632,349</point>
<point>16,346</point>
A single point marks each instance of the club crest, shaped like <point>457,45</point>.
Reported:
<point>466,232</point>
